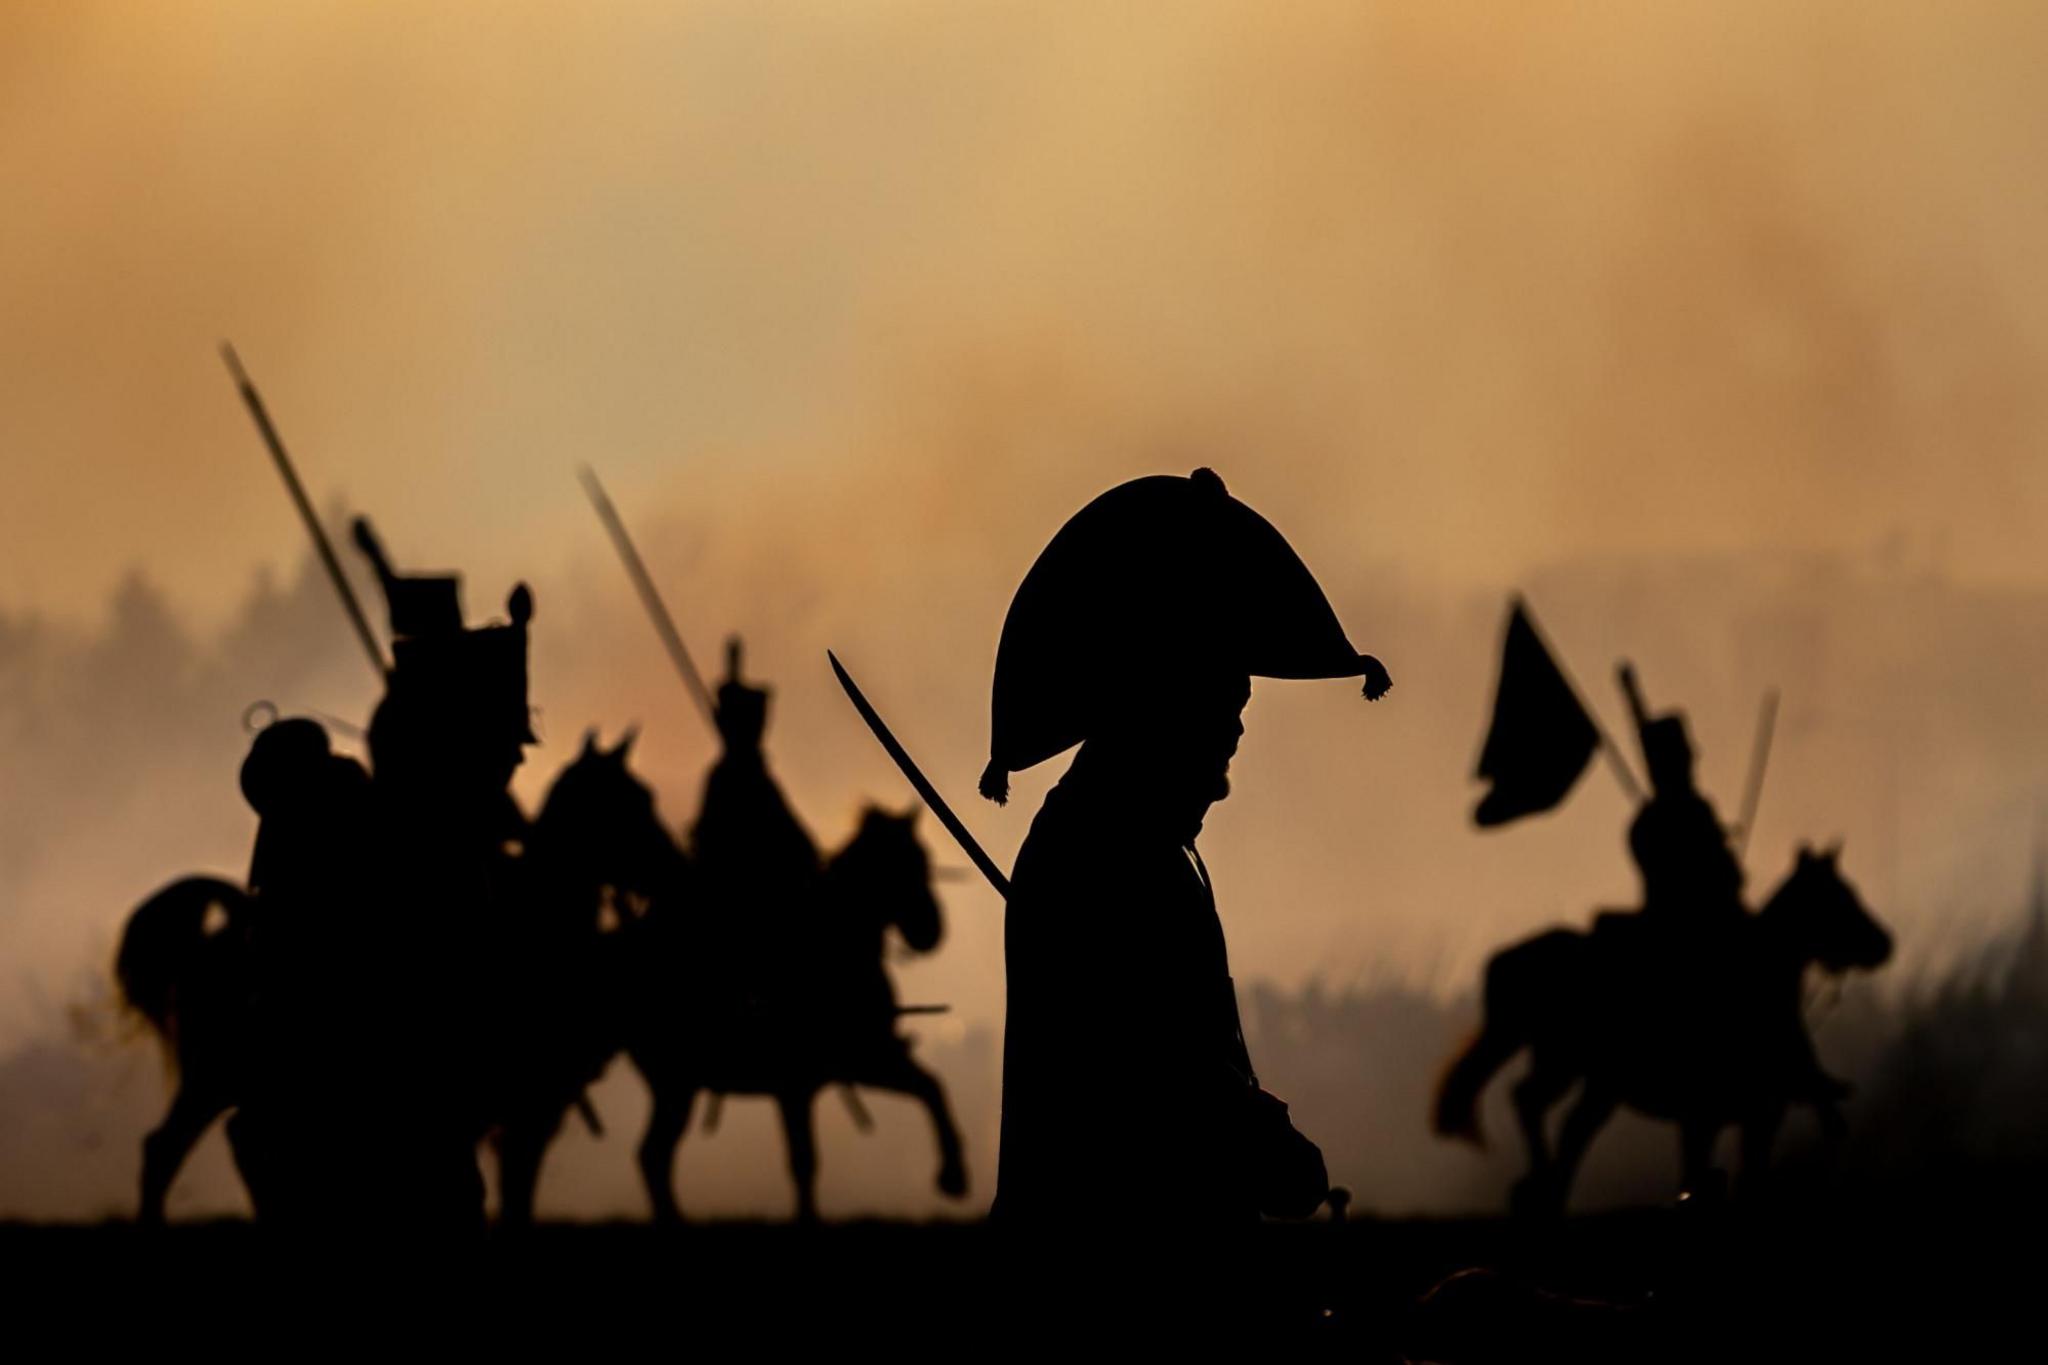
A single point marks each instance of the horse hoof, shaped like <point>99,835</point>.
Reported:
<point>953,1181</point>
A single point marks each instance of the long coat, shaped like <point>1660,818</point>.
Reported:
<point>1125,1077</point>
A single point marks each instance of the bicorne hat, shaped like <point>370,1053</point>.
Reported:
<point>1156,580</point>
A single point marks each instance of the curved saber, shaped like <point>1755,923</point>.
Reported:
<point>917,781</point>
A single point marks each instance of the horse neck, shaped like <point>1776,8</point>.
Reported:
<point>852,903</point>
<point>1779,924</point>
<point>555,867</point>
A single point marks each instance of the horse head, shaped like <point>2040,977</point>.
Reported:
<point>598,812</point>
<point>1825,919</point>
<point>884,869</point>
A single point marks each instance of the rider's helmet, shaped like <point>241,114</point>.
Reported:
<point>742,708</point>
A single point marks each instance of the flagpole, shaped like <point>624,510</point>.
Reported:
<point>1615,762</point>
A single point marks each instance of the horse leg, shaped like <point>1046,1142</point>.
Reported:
<point>164,1151</point>
<point>665,1125</point>
<point>1587,1117</point>
<point>803,1150</point>
<point>903,1075</point>
<point>522,1146</point>
<point>1534,1095</point>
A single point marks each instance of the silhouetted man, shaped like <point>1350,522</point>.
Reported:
<point>1691,878</point>
<point>757,865</point>
<point>444,742</point>
<point>307,874</point>
<point>1127,1090</point>
<point>1692,894</point>
<point>309,801</point>
<point>454,724</point>
<point>373,1102</point>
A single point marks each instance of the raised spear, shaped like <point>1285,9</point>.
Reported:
<point>254,402</point>
<point>650,596</point>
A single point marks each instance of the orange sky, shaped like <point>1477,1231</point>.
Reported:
<point>1470,289</point>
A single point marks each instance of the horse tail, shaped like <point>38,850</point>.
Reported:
<point>1503,1032</point>
<point>159,942</point>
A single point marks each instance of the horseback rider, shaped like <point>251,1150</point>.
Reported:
<point>454,723</point>
<point>306,798</point>
<point>1135,635</point>
<point>384,1005</point>
<point>1692,890</point>
<point>1691,877</point>
<point>313,816</point>
<point>757,865</point>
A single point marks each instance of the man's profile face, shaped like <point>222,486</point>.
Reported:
<point>1201,735</point>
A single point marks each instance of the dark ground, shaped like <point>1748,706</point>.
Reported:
<point>1858,1284</point>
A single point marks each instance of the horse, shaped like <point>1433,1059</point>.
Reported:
<point>186,966</point>
<point>1705,1033</point>
<point>829,1019</point>
<point>597,849</point>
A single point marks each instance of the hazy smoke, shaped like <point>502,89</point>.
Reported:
<point>1715,330</point>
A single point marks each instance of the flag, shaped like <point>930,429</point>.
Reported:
<point>1541,739</point>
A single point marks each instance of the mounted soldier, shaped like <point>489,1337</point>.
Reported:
<point>757,865</point>
<point>379,922</point>
<point>454,723</point>
<point>307,878</point>
<point>308,801</point>
<point>1691,877</point>
<point>444,744</point>
<point>1135,635</point>
<point>392,903</point>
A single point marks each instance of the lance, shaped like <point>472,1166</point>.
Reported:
<point>650,596</point>
<point>1759,759</point>
<point>254,402</point>
<point>968,844</point>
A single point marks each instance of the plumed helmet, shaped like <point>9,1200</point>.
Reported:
<point>742,707</point>
<point>1154,579</point>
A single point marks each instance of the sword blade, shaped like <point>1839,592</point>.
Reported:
<point>924,789</point>
<point>275,444</point>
